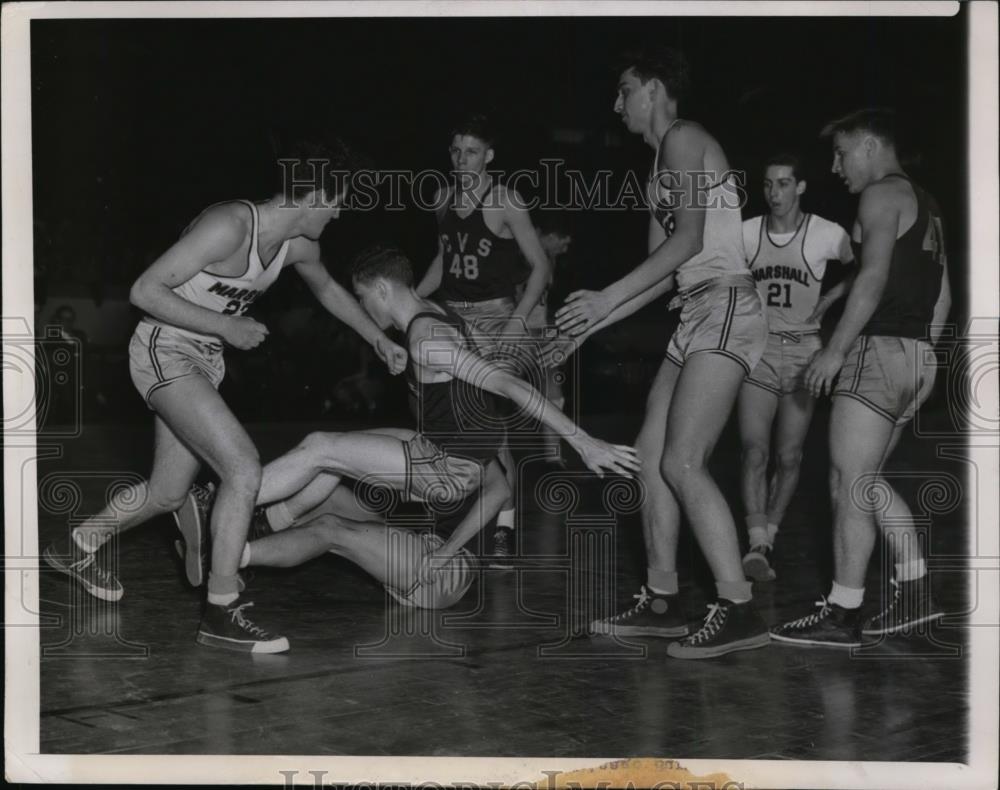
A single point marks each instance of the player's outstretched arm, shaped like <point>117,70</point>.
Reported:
<point>211,238</point>
<point>432,277</point>
<point>683,155</point>
<point>338,302</point>
<point>492,495</point>
<point>437,347</point>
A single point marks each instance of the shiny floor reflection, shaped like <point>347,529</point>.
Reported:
<point>505,672</point>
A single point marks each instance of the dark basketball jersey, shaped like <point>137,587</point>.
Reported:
<point>477,264</point>
<point>460,418</point>
<point>914,283</point>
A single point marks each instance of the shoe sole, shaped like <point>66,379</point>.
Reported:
<point>188,521</point>
<point>101,593</point>
<point>633,630</point>
<point>750,643</point>
<point>788,640</point>
<point>239,646</point>
<point>900,628</point>
<point>758,569</point>
<point>500,564</point>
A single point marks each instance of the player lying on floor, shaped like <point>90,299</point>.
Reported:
<point>451,389</point>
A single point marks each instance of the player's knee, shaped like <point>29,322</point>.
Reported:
<point>839,476</point>
<point>321,446</point>
<point>328,531</point>
<point>680,465</point>
<point>755,456</point>
<point>789,459</point>
<point>164,500</point>
<point>243,476</point>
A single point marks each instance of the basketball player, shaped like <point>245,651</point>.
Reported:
<point>878,364</point>
<point>485,232</point>
<point>695,237</point>
<point>195,296</point>
<point>427,570</point>
<point>460,431</point>
<point>788,252</point>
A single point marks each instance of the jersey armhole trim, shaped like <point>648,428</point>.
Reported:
<point>253,235</point>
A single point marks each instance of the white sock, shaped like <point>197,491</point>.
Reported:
<point>91,539</point>
<point>506,519</point>
<point>279,516</point>
<point>772,532</point>
<point>245,556</point>
<point>759,537</point>
<point>846,597</point>
<point>911,571</point>
<point>222,599</point>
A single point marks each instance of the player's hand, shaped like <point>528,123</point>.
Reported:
<point>556,351</point>
<point>817,314</point>
<point>601,457</point>
<point>430,564</point>
<point>394,356</point>
<point>823,371</point>
<point>582,311</point>
<point>243,333</point>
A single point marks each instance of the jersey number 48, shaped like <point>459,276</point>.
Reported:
<point>467,267</point>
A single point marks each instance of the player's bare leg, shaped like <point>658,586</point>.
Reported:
<point>174,469</point>
<point>657,611</point>
<point>703,399</point>
<point>756,409</point>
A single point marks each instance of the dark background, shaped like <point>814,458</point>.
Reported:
<point>139,124</point>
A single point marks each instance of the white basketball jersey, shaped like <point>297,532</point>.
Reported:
<point>722,251</point>
<point>232,295</point>
<point>789,267</point>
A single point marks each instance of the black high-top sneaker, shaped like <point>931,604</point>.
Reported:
<point>909,605</point>
<point>230,628</point>
<point>193,522</point>
<point>728,627</point>
<point>653,614</point>
<point>830,626</point>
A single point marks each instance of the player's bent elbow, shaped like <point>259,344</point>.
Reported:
<point>138,294</point>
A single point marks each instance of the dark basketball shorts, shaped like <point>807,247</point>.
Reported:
<point>434,476</point>
<point>724,316</point>
<point>892,376</point>
<point>160,355</point>
<point>487,321</point>
<point>782,368</point>
<point>449,583</point>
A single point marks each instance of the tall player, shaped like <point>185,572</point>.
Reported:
<point>879,366</point>
<point>195,297</point>
<point>695,237</point>
<point>788,251</point>
<point>484,232</point>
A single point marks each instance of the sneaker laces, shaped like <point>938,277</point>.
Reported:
<point>236,613</point>
<point>643,599</point>
<point>84,562</point>
<point>811,619</point>
<point>89,560</point>
<point>713,622</point>
<point>204,495</point>
<point>897,595</point>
